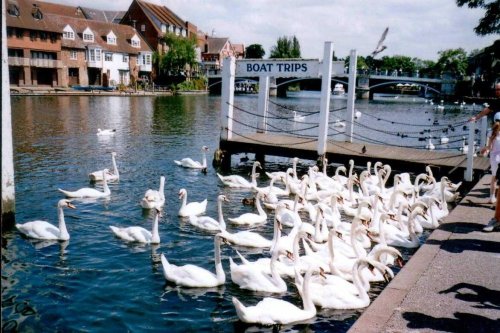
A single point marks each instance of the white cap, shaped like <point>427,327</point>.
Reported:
<point>486,105</point>
<point>496,117</point>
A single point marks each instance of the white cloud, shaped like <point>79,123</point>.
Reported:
<point>416,28</point>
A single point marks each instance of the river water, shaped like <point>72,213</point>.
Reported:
<point>97,283</point>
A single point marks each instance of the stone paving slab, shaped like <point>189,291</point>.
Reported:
<point>451,284</point>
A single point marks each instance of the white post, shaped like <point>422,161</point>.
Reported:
<point>470,153</point>
<point>483,129</point>
<point>8,185</point>
<point>263,104</point>
<point>326,87</point>
<point>227,97</point>
<point>351,94</point>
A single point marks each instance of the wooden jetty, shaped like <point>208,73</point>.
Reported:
<point>400,158</point>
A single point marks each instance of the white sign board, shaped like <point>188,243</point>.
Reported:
<point>278,67</point>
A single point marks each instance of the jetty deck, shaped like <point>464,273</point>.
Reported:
<point>401,158</point>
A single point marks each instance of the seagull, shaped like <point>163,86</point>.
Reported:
<point>380,47</point>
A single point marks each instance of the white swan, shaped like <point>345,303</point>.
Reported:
<point>252,218</point>
<point>190,163</point>
<point>249,276</point>
<point>44,230</point>
<point>342,299</point>
<point>272,311</point>
<point>209,223</point>
<point>246,238</point>
<point>430,145</point>
<point>339,123</point>
<point>193,276</point>
<point>139,234</point>
<point>298,117</point>
<point>192,208</point>
<point>106,131</point>
<point>88,192</point>
<point>154,198</point>
<point>96,176</point>
<point>238,181</point>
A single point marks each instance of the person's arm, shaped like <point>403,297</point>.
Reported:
<point>483,112</point>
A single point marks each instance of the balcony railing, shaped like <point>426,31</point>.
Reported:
<point>18,61</point>
<point>46,63</point>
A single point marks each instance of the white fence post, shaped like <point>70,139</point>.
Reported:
<point>227,97</point>
<point>324,109</point>
<point>351,94</point>
<point>470,153</point>
<point>483,128</point>
<point>263,103</point>
<point>8,184</point>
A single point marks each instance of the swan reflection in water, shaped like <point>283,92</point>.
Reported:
<point>193,293</point>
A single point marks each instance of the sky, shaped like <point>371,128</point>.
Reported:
<point>418,28</point>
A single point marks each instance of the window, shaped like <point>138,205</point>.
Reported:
<point>163,28</point>
<point>19,33</point>
<point>88,36</point>
<point>33,35</point>
<point>12,9</point>
<point>68,35</point>
<point>146,59</point>
<point>143,27</point>
<point>125,58</point>
<point>136,43</point>
<point>94,55</point>
<point>43,35</point>
<point>53,37</point>
<point>73,55</point>
<point>108,56</point>
<point>111,38</point>
<point>171,28</point>
<point>36,13</point>
<point>10,31</point>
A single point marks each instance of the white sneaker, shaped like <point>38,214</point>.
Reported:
<point>491,225</point>
<point>493,199</point>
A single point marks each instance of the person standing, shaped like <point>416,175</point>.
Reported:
<point>493,148</point>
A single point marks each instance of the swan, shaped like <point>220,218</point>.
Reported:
<point>444,139</point>
<point>154,198</point>
<point>96,176</point>
<point>272,311</point>
<point>430,145</point>
<point>249,276</point>
<point>245,238</point>
<point>339,123</point>
<point>44,230</point>
<point>252,218</point>
<point>106,131</point>
<point>139,234</point>
<point>399,240</point>
<point>190,163</point>
<point>209,223</point>
<point>192,208</point>
<point>237,181</point>
<point>88,192</point>
<point>343,299</point>
<point>193,276</point>
<point>298,117</point>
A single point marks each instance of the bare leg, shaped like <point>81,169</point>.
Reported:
<point>493,196</point>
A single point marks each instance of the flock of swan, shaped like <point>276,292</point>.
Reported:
<point>343,232</point>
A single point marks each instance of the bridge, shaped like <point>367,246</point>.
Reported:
<point>274,129</point>
<point>367,83</point>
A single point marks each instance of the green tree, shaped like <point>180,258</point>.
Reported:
<point>452,60</point>
<point>286,47</point>
<point>399,63</point>
<point>490,23</point>
<point>254,51</point>
<point>360,63</point>
<point>181,54</point>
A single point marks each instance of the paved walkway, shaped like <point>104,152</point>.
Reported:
<point>451,284</point>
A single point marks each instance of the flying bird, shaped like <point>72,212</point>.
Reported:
<point>380,47</point>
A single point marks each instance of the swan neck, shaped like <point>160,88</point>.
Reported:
<point>306,298</point>
<point>155,235</point>
<point>219,271</point>
<point>358,283</point>
<point>222,223</point>
<point>162,187</point>
<point>115,167</point>
<point>63,232</point>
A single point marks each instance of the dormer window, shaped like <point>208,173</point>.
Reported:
<point>36,12</point>
<point>135,41</point>
<point>68,33</point>
<point>13,9</point>
<point>111,38</point>
<point>88,35</point>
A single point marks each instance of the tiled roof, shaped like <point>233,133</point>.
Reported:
<point>25,18</point>
<point>162,14</point>
<point>216,44</point>
<point>239,48</point>
<point>103,15</point>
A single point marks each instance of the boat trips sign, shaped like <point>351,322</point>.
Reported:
<point>278,68</point>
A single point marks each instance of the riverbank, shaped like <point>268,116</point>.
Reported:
<point>451,283</point>
<point>51,91</point>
